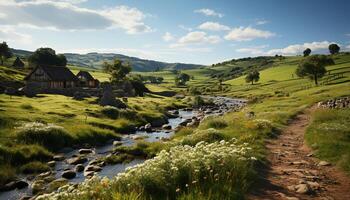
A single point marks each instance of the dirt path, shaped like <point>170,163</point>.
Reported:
<point>295,174</point>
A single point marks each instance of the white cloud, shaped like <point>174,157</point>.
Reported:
<point>247,34</point>
<point>299,48</point>
<point>185,28</point>
<point>209,12</point>
<point>348,34</point>
<point>64,15</point>
<point>11,36</point>
<point>196,37</point>
<point>262,22</point>
<point>168,37</point>
<point>213,26</point>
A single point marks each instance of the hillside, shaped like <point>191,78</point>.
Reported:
<point>95,61</point>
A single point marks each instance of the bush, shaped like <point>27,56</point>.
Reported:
<point>216,123</point>
<point>49,135</point>
<point>110,112</point>
<point>34,168</point>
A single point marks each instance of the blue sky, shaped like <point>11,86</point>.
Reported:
<point>197,31</point>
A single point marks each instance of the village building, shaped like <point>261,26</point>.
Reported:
<point>51,77</point>
<point>18,63</point>
<point>87,80</point>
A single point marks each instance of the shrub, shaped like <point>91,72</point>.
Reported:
<point>217,123</point>
<point>27,106</point>
<point>110,112</point>
<point>49,135</point>
<point>34,168</point>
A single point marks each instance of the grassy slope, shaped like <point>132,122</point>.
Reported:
<point>83,120</point>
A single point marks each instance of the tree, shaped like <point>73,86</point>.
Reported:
<point>182,78</point>
<point>5,52</point>
<point>117,70</point>
<point>47,56</point>
<point>314,67</point>
<point>334,48</point>
<point>307,52</point>
<point>252,77</point>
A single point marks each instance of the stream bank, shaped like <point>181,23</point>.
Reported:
<point>75,165</point>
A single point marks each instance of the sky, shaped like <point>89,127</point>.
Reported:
<point>188,31</point>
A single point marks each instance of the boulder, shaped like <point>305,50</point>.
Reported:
<point>54,185</point>
<point>108,99</point>
<point>38,186</point>
<point>185,122</point>
<point>44,174</point>
<point>85,151</point>
<point>166,127</point>
<point>79,168</point>
<point>69,174</point>
<point>26,198</point>
<point>51,163</point>
<point>93,168</point>
<point>77,160</point>
<point>89,173</point>
<point>142,128</point>
<point>302,188</point>
<point>324,163</point>
<point>159,122</point>
<point>148,127</point>
<point>58,158</point>
<point>117,143</point>
<point>19,184</point>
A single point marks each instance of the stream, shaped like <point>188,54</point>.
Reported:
<point>222,105</point>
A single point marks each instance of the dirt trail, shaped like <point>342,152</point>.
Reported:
<point>294,173</point>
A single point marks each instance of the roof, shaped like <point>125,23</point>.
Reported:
<point>56,73</point>
<point>86,74</point>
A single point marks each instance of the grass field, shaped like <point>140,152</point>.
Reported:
<point>275,100</point>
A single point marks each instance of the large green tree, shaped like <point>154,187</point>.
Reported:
<point>5,52</point>
<point>47,56</point>
<point>182,78</point>
<point>334,48</point>
<point>314,67</point>
<point>252,77</point>
<point>117,70</point>
<point>307,52</point>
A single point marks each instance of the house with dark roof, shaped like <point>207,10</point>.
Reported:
<point>51,77</point>
<point>87,80</point>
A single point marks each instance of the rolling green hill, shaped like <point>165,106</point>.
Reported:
<point>95,61</point>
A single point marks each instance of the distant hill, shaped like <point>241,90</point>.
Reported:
<point>95,60</point>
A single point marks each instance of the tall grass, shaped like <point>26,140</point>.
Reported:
<point>48,135</point>
<point>329,136</point>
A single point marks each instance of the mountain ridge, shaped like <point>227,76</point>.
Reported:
<point>94,60</point>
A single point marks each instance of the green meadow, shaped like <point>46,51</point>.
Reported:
<point>219,159</point>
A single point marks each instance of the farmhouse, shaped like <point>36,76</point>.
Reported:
<point>86,79</point>
<point>51,77</point>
